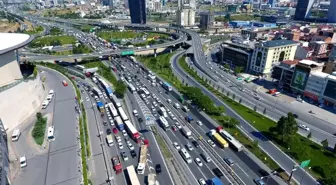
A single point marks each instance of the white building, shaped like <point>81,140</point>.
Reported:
<point>185,17</point>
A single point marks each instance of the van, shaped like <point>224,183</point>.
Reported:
<point>45,104</point>
<point>185,109</point>
<point>206,157</point>
<point>177,106</point>
<point>16,134</point>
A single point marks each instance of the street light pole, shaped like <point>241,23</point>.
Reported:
<point>291,175</point>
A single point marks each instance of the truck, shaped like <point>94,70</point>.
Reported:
<point>216,181</point>
<point>90,70</point>
<point>116,164</point>
<point>100,106</point>
<point>186,131</point>
<point>109,140</point>
<point>219,139</point>
<point>142,159</point>
<point>151,179</point>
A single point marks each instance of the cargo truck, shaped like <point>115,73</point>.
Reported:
<point>100,106</point>
<point>116,164</point>
<point>186,132</point>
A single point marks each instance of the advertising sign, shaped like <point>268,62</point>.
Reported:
<point>300,78</point>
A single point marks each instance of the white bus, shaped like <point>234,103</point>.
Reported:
<point>185,155</point>
<point>235,144</point>
<point>142,160</point>
<point>164,122</point>
<point>131,88</point>
<point>163,112</point>
<point>122,114</point>
<point>115,101</point>
<point>113,110</point>
<point>132,176</point>
<point>51,136</point>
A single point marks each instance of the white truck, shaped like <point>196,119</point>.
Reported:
<point>186,131</point>
<point>109,139</point>
<point>151,179</point>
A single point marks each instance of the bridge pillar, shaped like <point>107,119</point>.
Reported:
<point>155,54</point>
<point>171,50</point>
<point>17,56</point>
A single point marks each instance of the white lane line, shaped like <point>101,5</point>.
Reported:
<point>242,170</point>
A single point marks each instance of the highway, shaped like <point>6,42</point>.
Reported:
<point>60,162</point>
<point>244,166</point>
<point>275,106</point>
<point>271,149</point>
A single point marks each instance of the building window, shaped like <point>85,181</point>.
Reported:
<point>258,60</point>
<point>282,56</point>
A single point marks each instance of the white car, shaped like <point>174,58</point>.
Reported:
<point>211,143</point>
<point>176,145</point>
<point>178,125</point>
<point>120,145</point>
<point>300,100</point>
<point>130,146</point>
<point>174,118</point>
<point>199,123</point>
<point>23,161</point>
<point>190,148</point>
<point>304,127</point>
<point>118,139</point>
<point>124,132</point>
<point>201,181</point>
<point>198,161</point>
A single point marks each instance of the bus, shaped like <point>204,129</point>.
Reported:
<point>122,114</point>
<point>132,131</point>
<point>145,91</point>
<point>119,123</point>
<point>235,144</point>
<point>106,86</point>
<point>113,110</point>
<point>51,136</point>
<point>115,101</point>
<point>80,67</point>
<point>163,112</point>
<point>132,176</point>
<point>131,88</point>
<point>164,123</point>
<point>220,140</point>
<point>97,91</point>
<point>167,86</point>
<point>185,155</point>
<point>142,160</point>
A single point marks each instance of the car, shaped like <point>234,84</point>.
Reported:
<point>130,146</point>
<point>105,123</point>
<point>124,132</point>
<point>218,173</point>
<point>190,148</point>
<point>211,143</point>
<point>304,127</point>
<point>176,145</point>
<point>158,169</point>
<point>178,125</point>
<point>174,118</point>
<point>259,182</point>
<point>120,145</point>
<point>198,161</point>
<point>199,123</point>
<point>155,104</point>
<point>140,120</point>
<point>133,153</point>
<point>195,143</point>
<point>201,181</point>
<point>170,114</point>
<point>229,161</point>
<point>263,172</point>
<point>153,109</point>
<point>174,128</point>
<point>169,100</point>
<point>23,161</point>
<point>118,139</point>
<point>296,116</point>
<point>300,100</point>
<point>115,130</point>
<point>124,156</point>
<point>108,131</point>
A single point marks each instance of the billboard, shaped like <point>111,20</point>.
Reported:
<point>300,78</point>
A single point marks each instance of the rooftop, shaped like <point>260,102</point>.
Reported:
<point>320,74</point>
<point>332,77</point>
<point>290,62</point>
<point>310,62</point>
<point>278,43</point>
<point>12,41</point>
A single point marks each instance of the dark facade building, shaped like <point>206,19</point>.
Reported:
<point>205,20</point>
<point>235,55</point>
<point>284,74</point>
<point>137,11</point>
<point>303,8</point>
<point>274,19</point>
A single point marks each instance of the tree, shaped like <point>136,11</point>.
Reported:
<point>228,94</point>
<point>238,69</point>
<point>264,112</point>
<point>227,66</point>
<point>228,17</point>
<point>309,135</point>
<point>325,143</point>
<point>334,150</point>
<point>233,96</point>
<point>240,100</point>
<point>255,108</point>
<point>286,127</point>
<point>120,89</point>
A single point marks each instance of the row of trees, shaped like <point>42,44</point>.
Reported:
<point>81,48</point>
<point>55,31</point>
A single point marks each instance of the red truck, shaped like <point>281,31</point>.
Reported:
<point>116,164</point>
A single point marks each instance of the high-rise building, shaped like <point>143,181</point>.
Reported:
<point>205,20</point>
<point>185,17</point>
<point>332,12</point>
<point>303,9</point>
<point>137,11</point>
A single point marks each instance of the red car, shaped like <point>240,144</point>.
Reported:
<point>174,128</point>
<point>115,130</point>
<point>65,83</point>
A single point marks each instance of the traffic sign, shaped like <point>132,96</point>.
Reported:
<point>304,163</point>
